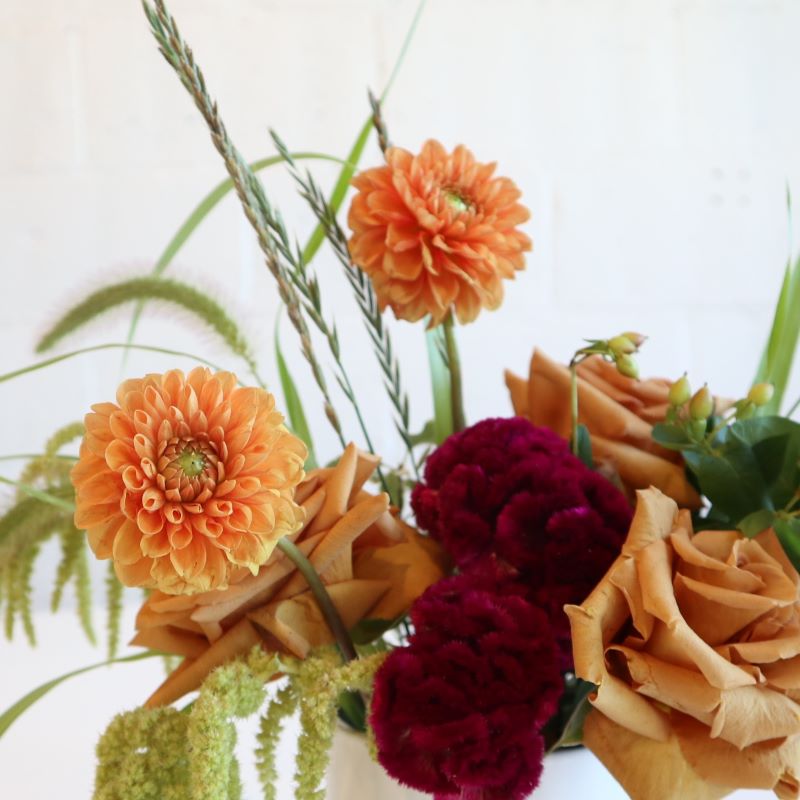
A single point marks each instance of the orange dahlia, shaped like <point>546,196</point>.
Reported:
<point>437,232</point>
<point>187,481</point>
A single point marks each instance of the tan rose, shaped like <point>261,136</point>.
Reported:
<point>374,566</point>
<point>618,411</point>
<point>693,641</point>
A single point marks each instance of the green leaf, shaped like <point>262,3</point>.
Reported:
<point>187,297</point>
<point>788,533</point>
<point>440,385</point>
<point>426,436</point>
<point>672,437</point>
<point>752,467</point>
<point>565,729</point>
<point>778,356</point>
<point>584,450</point>
<point>368,630</point>
<point>201,211</point>
<point>756,522</point>
<point>294,405</point>
<point>22,705</point>
<point>733,482</point>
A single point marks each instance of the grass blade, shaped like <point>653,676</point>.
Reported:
<point>45,497</point>
<point>778,356</point>
<point>21,706</point>
<point>95,348</point>
<point>294,405</point>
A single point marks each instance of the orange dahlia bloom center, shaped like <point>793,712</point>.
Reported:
<point>187,482</point>
<point>189,469</point>
<point>437,232</point>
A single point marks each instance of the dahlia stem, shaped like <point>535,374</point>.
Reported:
<point>454,365</point>
<point>326,606</point>
<point>573,404</point>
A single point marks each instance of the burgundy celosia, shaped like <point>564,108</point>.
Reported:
<point>507,493</point>
<point>458,712</point>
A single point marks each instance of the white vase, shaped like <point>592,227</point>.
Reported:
<point>572,774</point>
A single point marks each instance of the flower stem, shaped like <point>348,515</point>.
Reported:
<point>326,606</point>
<point>454,365</point>
<point>573,404</point>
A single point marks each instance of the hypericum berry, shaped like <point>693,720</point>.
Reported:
<point>680,391</point>
<point>702,404</point>
<point>761,394</point>
<point>622,345</point>
<point>627,366</point>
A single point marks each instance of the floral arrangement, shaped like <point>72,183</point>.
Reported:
<point>614,565</point>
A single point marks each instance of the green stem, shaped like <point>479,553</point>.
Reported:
<point>573,404</point>
<point>454,365</point>
<point>794,408</point>
<point>326,606</point>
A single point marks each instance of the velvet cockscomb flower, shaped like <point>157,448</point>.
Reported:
<point>459,711</point>
<point>187,481</point>
<point>506,494</point>
<point>437,232</point>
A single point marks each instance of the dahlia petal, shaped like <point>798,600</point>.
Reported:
<point>219,508</point>
<point>119,453</point>
<point>207,527</point>
<point>406,266</point>
<point>152,499</point>
<point>87,516</point>
<point>101,537</point>
<point>120,425</point>
<point>149,523</point>
<point>241,518</point>
<point>100,489</point>
<point>134,479</point>
<point>127,549</point>
<point>190,560</point>
<point>179,536</point>
<point>156,545</point>
<point>139,573</point>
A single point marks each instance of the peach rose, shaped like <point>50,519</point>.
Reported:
<point>693,641</point>
<point>618,411</point>
<point>373,564</point>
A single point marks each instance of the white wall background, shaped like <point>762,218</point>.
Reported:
<point>653,141</point>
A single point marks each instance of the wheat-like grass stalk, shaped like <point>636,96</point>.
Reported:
<point>248,188</point>
<point>364,293</point>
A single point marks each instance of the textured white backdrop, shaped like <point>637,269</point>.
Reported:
<point>653,140</point>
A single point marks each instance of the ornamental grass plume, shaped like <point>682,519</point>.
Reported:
<point>373,565</point>
<point>458,712</point>
<point>507,495</point>
<point>437,231</point>
<point>187,482</point>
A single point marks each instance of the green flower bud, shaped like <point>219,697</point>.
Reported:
<point>621,345</point>
<point>761,394</point>
<point>702,404</point>
<point>680,391</point>
<point>697,429</point>
<point>627,366</point>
